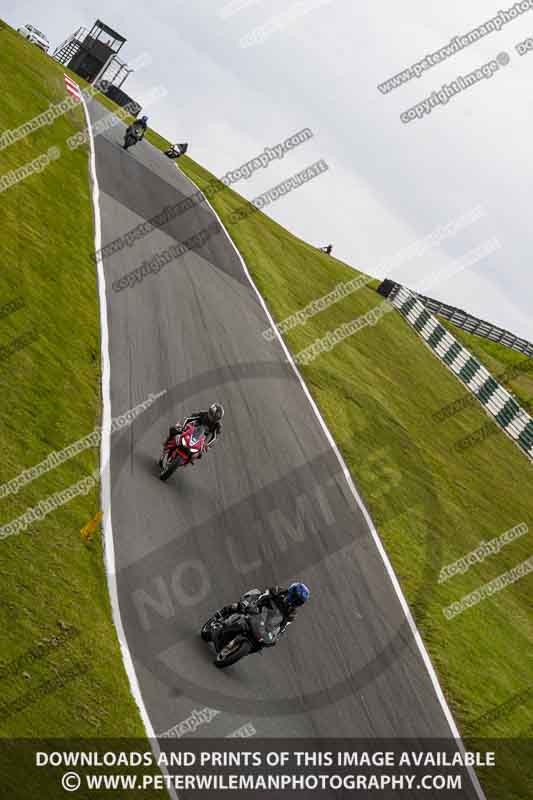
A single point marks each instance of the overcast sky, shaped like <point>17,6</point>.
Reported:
<point>242,75</point>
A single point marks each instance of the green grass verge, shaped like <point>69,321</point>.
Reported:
<point>61,671</point>
<point>55,617</point>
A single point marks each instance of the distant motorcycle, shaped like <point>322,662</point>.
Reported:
<point>177,150</point>
<point>184,448</point>
<point>133,135</point>
<point>242,633</point>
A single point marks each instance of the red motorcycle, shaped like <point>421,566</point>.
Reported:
<point>184,448</point>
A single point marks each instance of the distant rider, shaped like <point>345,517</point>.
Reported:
<point>139,126</point>
<point>286,601</point>
<point>210,419</point>
<point>177,150</point>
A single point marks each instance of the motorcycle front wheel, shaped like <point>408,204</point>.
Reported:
<point>233,652</point>
<point>168,468</point>
<point>205,631</point>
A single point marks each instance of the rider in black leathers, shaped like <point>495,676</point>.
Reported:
<point>140,125</point>
<point>286,601</point>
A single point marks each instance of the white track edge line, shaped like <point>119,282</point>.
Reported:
<point>375,535</point>
<point>105,462</point>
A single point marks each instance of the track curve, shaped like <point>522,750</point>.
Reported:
<point>268,505</point>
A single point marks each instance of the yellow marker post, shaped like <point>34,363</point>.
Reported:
<point>88,530</point>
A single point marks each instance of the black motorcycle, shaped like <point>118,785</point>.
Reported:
<point>243,632</point>
<point>133,135</point>
<point>177,150</point>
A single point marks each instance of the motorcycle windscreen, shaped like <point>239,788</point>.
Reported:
<point>265,626</point>
<point>197,435</point>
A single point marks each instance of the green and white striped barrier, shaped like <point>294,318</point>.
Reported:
<point>495,399</point>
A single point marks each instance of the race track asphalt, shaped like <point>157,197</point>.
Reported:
<point>268,505</point>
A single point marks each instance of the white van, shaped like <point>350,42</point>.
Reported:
<point>33,35</point>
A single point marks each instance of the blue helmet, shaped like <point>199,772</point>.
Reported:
<point>297,594</point>
<point>144,119</point>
